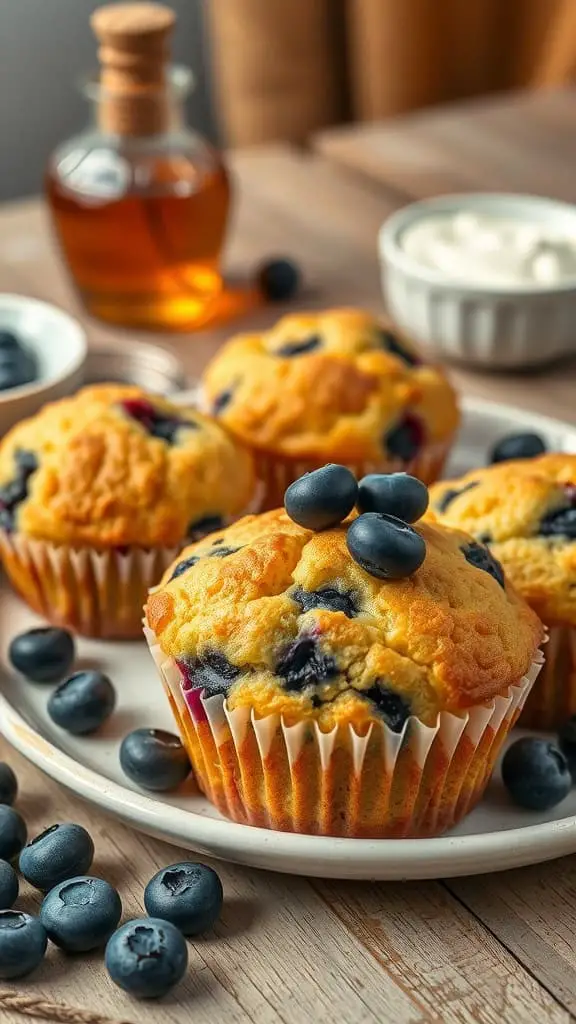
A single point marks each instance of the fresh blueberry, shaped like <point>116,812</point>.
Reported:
<point>327,598</point>
<point>567,742</point>
<point>147,957</point>
<point>396,494</point>
<point>202,527</point>
<point>58,853</point>
<point>154,759</point>
<point>211,672</point>
<point>23,942</point>
<point>322,498</point>
<point>390,342</point>
<point>517,446</point>
<point>536,773</point>
<point>44,655</point>
<point>17,367</point>
<point>186,894</point>
<point>8,340</point>
<point>8,885</point>
<point>385,546</point>
<point>452,493</point>
<point>13,832</point>
<point>299,348</point>
<point>480,557</point>
<point>8,784</point>
<point>394,708</point>
<point>81,913</point>
<point>405,439</point>
<point>83,703</point>
<point>279,279</point>
<point>303,664</point>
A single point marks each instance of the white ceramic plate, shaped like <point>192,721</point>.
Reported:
<point>495,836</point>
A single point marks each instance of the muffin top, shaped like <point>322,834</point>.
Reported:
<point>282,619</point>
<point>113,466</point>
<point>526,511</point>
<point>333,385</point>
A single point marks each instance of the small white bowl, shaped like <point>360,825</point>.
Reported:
<point>59,344</point>
<point>489,326</point>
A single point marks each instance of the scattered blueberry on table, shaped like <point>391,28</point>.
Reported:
<point>147,957</point>
<point>278,279</point>
<point>8,885</point>
<point>385,546</point>
<point>323,498</point>
<point>188,895</point>
<point>23,942</point>
<point>517,446</point>
<point>18,364</point>
<point>60,852</point>
<point>82,703</point>
<point>13,832</point>
<point>155,759</point>
<point>44,655</point>
<point>396,494</point>
<point>536,773</point>
<point>81,913</point>
<point>8,784</point>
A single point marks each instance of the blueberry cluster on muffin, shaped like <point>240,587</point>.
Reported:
<point>112,473</point>
<point>333,386</point>
<point>525,511</point>
<point>284,657</point>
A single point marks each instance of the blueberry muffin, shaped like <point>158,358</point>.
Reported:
<point>525,510</point>
<point>334,386</point>
<point>97,494</point>
<point>313,697</point>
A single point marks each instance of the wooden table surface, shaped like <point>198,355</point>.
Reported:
<point>486,950</point>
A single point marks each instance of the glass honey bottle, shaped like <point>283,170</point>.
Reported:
<point>139,201</point>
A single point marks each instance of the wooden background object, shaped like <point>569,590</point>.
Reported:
<point>491,950</point>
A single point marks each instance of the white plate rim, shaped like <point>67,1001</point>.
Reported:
<point>319,856</point>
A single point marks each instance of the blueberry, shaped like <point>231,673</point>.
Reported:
<point>405,440</point>
<point>394,708</point>
<point>396,494</point>
<point>452,493</point>
<point>561,522</point>
<point>15,491</point>
<point>222,401</point>
<point>44,655</point>
<point>322,498</point>
<point>8,340</point>
<point>219,552</point>
<point>83,703</point>
<point>299,348</point>
<point>211,672</point>
<point>183,566</point>
<point>327,598</point>
<point>8,784</point>
<point>8,885</point>
<point>157,423</point>
<point>23,942</point>
<point>58,853</point>
<point>202,527</point>
<point>147,957</point>
<point>13,832</point>
<point>303,664</point>
<point>517,446</point>
<point>567,742</point>
<point>154,759</point>
<point>536,773</point>
<point>186,894</point>
<point>81,913</point>
<point>390,342</point>
<point>385,546</point>
<point>479,556</point>
<point>279,279</point>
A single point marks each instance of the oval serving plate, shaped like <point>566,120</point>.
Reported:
<point>494,837</point>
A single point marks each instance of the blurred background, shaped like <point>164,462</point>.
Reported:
<point>279,69</point>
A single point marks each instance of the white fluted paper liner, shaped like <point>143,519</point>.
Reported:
<point>423,780</point>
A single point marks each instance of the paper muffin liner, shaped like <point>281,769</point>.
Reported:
<point>263,772</point>
<point>276,472</point>
<point>553,698</point>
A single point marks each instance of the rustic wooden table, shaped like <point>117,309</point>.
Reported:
<point>482,950</point>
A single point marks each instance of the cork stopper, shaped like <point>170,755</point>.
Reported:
<point>134,54</point>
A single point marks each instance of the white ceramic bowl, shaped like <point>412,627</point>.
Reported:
<point>59,344</point>
<point>488,326</point>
